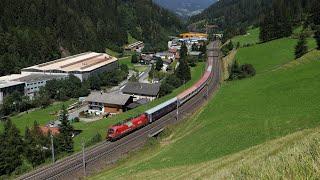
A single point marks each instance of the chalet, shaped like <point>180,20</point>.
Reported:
<point>108,103</point>
<point>142,90</point>
<point>147,59</point>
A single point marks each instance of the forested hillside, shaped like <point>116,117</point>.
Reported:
<point>234,16</point>
<point>35,31</point>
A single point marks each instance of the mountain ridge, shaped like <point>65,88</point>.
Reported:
<point>185,8</point>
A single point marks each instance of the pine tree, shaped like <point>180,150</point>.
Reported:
<point>183,51</point>
<point>10,148</point>
<point>35,142</point>
<point>183,71</point>
<point>65,140</point>
<point>134,59</point>
<point>152,72</point>
<point>301,48</point>
<point>159,64</point>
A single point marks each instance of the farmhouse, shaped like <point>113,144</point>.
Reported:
<point>104,103</point>
<point>81,65</point>
<point>142,90</point>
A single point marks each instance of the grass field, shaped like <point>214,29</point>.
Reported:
<point>42,116</point>
<point>252,37</point>
<point>281,99</point>
<point>131,39</point>
<point>126,61</point>
<point>112,53</point>
<point>269,160</point>
<point>267,56</point>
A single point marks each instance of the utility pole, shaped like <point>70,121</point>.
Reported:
<point>84,160</point>
<point>177,110</point>
<point>52,148</point>
<point>207,94</point>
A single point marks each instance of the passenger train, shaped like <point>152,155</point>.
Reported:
<point>120,130</point>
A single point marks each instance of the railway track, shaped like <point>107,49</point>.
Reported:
<point>109,152</point>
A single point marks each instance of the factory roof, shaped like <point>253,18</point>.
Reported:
<point>81,62</point>
<point>5,84</point>
<point>39,77</point>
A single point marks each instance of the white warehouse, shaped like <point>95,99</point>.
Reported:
<point>80,65</point>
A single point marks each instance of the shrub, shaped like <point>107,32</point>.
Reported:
<point>94,140</point>
<point>165,89</point>
<point>134,58</point>
<point>240,72</point>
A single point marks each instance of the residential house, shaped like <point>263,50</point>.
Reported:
<point>108,103</point>
<point>142,90</point>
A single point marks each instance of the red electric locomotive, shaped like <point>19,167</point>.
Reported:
<point>119,130</point>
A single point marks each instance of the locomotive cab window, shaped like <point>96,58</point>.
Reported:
<point>110,131</point>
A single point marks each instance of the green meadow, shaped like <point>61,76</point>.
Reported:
<point>252,37</point>
<point>283,98</point>
<point>42,116</point>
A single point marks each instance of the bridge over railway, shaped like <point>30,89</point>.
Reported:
<point>107,152</point>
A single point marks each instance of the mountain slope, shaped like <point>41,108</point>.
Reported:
<point>185,8</point>
<point>234,16</point>
<point>243,114</point>
<point>35,31</point>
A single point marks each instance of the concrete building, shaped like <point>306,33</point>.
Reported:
<point>8,87</point>
<point>81,65</point>
<point>104,103</point>
<point>34,82</point>
<point>142,90</point>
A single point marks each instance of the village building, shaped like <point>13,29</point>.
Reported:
<point>166,55</point>
<point>147,59</point>
<point>195,53</point>
<point>193,35</point>
<point>49,130</point>
<point>142,90</point>
<point>136,46</point>
<point>108,103</point>
<point>137,103</point>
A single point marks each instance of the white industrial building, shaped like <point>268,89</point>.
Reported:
<point>80,65</point>
<point>7,87</point>
<point>33,78</point>
<point>34,82</point>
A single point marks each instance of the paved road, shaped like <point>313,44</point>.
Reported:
<point>76,113</point>
<point>143,77</point>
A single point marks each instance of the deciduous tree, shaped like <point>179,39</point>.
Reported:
<point>301,47</point>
